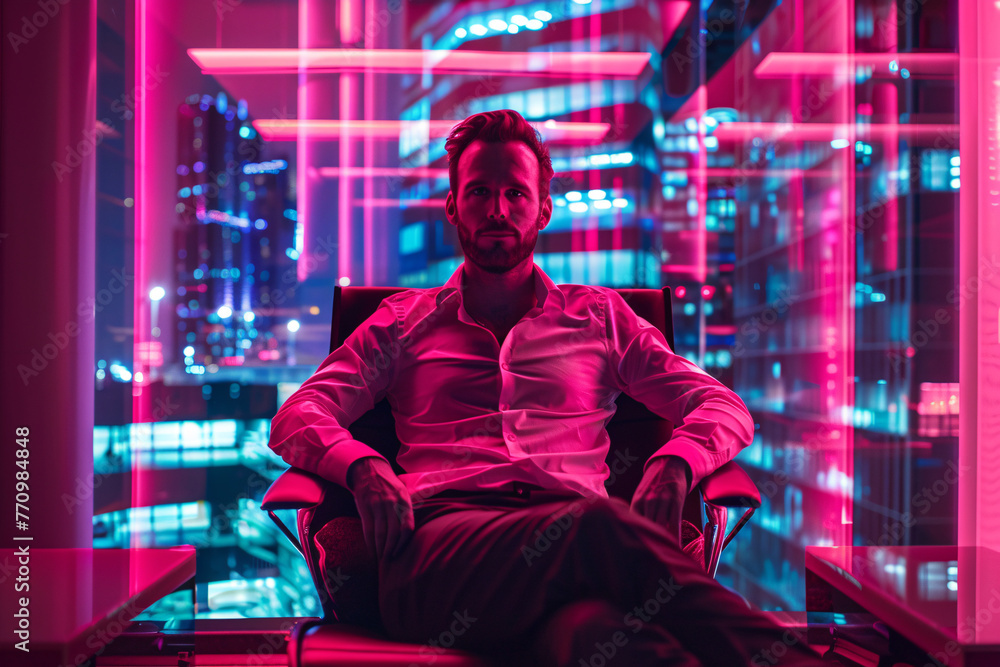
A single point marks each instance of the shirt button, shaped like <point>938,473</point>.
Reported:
<point>505,366</point>
<point>504,406</point>
<point>510,436</point>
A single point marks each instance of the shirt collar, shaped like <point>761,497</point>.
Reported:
<point>544,288</point>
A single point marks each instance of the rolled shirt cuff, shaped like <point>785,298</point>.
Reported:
<point>696,456</point>
<point>336,462</point>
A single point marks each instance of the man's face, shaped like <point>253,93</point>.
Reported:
<point>497,192</point>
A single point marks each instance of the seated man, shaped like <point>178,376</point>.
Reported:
<point>501,531</point>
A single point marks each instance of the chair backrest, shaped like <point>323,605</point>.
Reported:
<point>635,431</point>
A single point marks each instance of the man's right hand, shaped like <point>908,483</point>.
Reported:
<point>384,506</point>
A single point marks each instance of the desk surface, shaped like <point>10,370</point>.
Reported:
<point>935,596</point>
<point>80,599</point>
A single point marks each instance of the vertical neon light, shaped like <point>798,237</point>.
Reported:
<point>888,101</point>
<point>844,288</point>
<point>141,412</point>
<point>303,145</point>
<point>701,183</point>
<point>368,212</point>
<point>345,207</point>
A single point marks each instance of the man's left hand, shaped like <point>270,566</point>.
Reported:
<point>662,491</point>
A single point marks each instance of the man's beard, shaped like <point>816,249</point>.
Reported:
<point>495,256</point>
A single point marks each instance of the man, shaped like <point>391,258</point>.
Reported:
<point>501,531</point>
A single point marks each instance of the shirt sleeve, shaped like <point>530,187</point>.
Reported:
<point>711,423</point>
<point>309,431</point>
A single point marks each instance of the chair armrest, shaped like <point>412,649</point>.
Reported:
<point>730,486</point>
<point>294,489</point>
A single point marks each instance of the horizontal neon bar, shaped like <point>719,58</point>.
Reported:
<point>275,129</point>
<point>564,63</point>
<point>738,172</point>
<point>778,65</point>
<point>829,131</point>
<point>398,203</point>
<point>364,172</point>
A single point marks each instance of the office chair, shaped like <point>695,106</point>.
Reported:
<point>330,536</point>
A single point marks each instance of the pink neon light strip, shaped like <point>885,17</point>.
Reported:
<point>276,129</point>
<point>701,184</point>
<point>780,65</point>
<point>304,150</point>
<point>503,63</point>
<point>829,131</point>
<point>398,203</point>
<point>364,172</point>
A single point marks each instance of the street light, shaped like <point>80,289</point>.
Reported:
<point>293,326</point>
<point>156,295</point>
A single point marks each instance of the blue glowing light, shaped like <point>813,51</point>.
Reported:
<point>268,167</point>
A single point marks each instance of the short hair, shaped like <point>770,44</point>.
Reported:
<point>499,126</point>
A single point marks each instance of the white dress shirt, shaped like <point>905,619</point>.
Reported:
<point>474,415</point>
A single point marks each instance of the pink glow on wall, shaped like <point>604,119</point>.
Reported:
<point>979,317</point>
<point>276,129</point>
<point>576,65</point>
<point>141,400</point>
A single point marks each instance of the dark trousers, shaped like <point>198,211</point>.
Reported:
<point>582,582</point>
